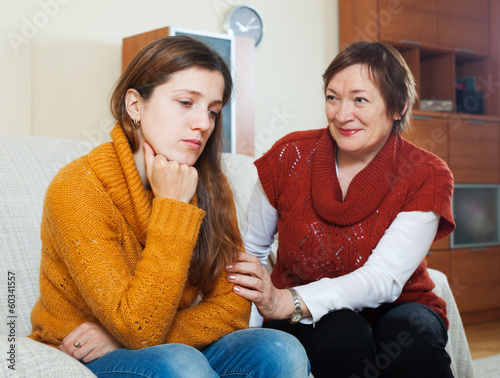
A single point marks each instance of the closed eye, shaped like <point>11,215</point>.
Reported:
<point>213,114</point>
<point>185,103</point>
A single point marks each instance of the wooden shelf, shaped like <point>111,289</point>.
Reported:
<point>440,40</point>
<point>455,116</point>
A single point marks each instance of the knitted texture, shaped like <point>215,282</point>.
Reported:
<point>321,235</point>
<point>113,254</point>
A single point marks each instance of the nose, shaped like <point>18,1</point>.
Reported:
<point>203,120</point>
<point>344,112</point>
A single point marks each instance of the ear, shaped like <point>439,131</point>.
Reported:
<point>133,104</point>
<point>399,116</point>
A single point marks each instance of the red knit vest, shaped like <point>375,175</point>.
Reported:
<point>320,235</point>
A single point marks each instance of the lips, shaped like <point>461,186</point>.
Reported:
<point>348,132</point>
<point>194,144</point>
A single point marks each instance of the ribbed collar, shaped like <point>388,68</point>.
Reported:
<point>366,191</point>
<point>114,165</point>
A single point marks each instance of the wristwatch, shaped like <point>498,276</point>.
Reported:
<point>297,312</point>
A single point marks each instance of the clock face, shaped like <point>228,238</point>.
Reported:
<point>245,21</point>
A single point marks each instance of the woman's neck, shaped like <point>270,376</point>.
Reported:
<point>348,166</point>
<point>140,163</point>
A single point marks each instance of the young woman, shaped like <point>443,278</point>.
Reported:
<point>139,231</point>
<point>356,208</point>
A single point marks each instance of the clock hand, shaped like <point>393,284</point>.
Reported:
<point>241,26</point>
<point>251,21</point>
<point>253,27</point>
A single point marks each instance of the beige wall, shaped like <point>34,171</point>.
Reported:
<point>60,59</point>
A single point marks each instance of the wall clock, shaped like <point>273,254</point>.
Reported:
<point>245,21</point>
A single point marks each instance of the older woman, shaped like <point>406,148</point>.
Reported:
<point>357,208</point>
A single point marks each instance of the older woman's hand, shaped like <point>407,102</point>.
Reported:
<point>253,282</point>
<point>88,342</point>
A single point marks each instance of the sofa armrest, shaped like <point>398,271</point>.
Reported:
<point>33,359</point>
<point>457,347</point>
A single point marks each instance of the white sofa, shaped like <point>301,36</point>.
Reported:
<point>27,164</point>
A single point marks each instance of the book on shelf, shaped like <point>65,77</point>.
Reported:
<point>436,105</point>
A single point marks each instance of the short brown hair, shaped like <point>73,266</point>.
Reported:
<point>389,72</point>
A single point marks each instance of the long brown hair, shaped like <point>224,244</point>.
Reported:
<point>389,72</point>
<point>219,239</point>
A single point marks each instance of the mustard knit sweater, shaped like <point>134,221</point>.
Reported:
<point>113,254</point>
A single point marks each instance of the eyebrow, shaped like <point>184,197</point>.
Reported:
<point>196,93</point>
<point>356,91</point>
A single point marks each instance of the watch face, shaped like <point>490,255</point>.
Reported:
<point>245,21</point>
<point>296,318</point>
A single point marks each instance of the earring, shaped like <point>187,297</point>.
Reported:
<point>136,123</point>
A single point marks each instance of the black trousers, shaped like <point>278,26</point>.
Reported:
<point>407,341</point>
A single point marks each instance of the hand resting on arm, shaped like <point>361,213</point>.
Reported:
<point>397,255</point>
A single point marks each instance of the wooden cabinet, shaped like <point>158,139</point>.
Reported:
<point>408,21</point>
<point>439,260</point>
<point>464,25</point>
<point>442,41</point>
<point>475,278</point>
<point>458,25</point>
<point>431,134</point>
<point>474,151</point>
<point>358,20</point>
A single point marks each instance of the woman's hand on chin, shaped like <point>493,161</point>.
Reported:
<point>168,178</point>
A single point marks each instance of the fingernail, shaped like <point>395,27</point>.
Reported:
<point>237,289</point>
<point>229,267</point>
<point>232,277</point>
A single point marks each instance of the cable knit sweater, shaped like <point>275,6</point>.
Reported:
<point>113,254</point>
<point>322,235</point>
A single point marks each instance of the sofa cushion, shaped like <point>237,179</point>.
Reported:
<point>34,359</point>
<point>242,176</point>
<point>27,165</point>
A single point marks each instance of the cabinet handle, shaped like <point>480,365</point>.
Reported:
<point>477,249</point>
<point>421,117</point>
<point>476,121</point>
<point>414,43</point>
<point>466,51</point>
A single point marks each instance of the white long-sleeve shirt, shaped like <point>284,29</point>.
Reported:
<point>379,280</point>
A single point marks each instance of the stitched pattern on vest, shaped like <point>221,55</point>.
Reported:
<point>320,235</point>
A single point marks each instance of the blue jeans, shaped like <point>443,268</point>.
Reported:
<point>252,352</point>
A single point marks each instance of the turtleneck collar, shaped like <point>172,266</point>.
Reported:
<point>115,167</point>
<point>366,191</point>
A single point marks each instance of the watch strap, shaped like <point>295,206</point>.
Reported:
<point>296,315</point>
